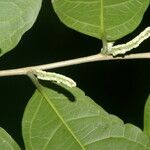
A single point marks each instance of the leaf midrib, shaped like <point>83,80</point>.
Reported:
<point>102,18</point>
<point>61,118</point>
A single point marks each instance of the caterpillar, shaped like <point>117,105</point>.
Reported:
<point>123,48</point>
<point>51,76</point>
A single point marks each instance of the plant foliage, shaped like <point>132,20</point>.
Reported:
<point>53,121</point>
<point>6,141</point>
<point>103,19</point>
<point>16,17</point>
<point>64,118</point>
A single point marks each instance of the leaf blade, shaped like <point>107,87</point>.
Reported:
<point>88,122</point>
<point>6,141</point>
<point>16,17</point>
<point>147,117</point>
<point>101,18</point>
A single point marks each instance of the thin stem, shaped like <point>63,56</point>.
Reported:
<point>92,58</point>
<point>105,47</point>
<point>34,80</point>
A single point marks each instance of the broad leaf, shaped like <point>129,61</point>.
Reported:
<point>16,17</point>
<point>103,19</point>
<point>69,120</point>
<point>6,141</point>
<point>147,117</point>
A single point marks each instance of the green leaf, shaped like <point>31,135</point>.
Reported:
<point>103,19</point>
<point>6,141</point>
<point>66,119</point>
<point>147,117</point>
<point>16,17</point>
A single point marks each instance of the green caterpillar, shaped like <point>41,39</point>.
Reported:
<point>123,48</point>
<point>51,76</point>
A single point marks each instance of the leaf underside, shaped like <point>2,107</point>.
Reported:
<point>52,121</point>
<point>16,17</point>
<point>103,19</point>
<point>6,142</point>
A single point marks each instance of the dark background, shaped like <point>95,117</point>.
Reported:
<point>120,87</point>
